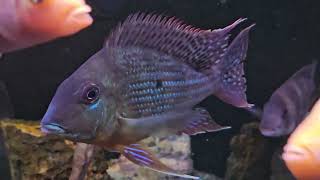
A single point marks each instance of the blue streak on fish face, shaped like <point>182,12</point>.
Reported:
<point>52,127</point>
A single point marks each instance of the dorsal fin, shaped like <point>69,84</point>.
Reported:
<point>198,48</point>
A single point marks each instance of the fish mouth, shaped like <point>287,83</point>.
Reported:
<point>294,153</point>
<point>81,14</point>
<point>53,128</point>
<point>81,10</point>
<point>56,129</point>
<point>269,132</point>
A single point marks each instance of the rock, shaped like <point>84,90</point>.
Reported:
<point>35,156</point>
<point>251,154</point>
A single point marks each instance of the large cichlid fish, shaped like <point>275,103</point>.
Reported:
<point>290,103</point>
<point>24,23</point>
<point>146,81</point>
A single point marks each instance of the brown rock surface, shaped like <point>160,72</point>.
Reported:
<point>35,156</point>
<point>251,155</point>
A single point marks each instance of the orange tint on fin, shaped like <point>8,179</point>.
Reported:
<point>142,157</point>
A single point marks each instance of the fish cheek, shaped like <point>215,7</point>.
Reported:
<point>92,117</point>
<point>271,123</point>
<point>42,19</point>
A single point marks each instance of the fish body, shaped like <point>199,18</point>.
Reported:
<point>24,23</point>
<point>146,81</point>
<point>301,153</point>
<point>290,103</point>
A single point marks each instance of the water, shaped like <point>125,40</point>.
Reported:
<point>285,38</point>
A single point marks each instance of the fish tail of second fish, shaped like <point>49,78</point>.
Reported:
<point>255,111</point>
<point>231,87</point>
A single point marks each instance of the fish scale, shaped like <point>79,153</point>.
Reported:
<point>140,86</point>
<point>171,91</point>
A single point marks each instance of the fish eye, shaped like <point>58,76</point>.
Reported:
<point>36,1</point>
<point>90,94</point>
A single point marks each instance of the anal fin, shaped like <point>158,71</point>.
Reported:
<point>142,157</point>
<point>201,122</point>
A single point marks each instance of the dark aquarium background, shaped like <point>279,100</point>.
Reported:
<point>285,38</point>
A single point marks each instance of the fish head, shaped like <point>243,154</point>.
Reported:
<point>53,18</point>
<point>302,151</point>
<point>275,120</point>
<point>303,160</point>
<point>75,112</point>
<point>82,106</point>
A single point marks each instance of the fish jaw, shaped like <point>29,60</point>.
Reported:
<point>56,129</point>
<point>52,128</point>
<point>270,132</point>
<point>267,132</point>
<point>301,162</point>
<point>79,18</point>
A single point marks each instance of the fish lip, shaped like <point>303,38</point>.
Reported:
<point>81,12</point>
<point>84,9</point>
<point>56,129</point>
<point>53,128</point>
<point>294,153</point>
<point>269,132</point>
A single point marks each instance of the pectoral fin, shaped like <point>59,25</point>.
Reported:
<point>142,157</point>
<point>201,122</point>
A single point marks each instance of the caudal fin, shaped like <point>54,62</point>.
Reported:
<point>232,85</point>
<point>255,111</point>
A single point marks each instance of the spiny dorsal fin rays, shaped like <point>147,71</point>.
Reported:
<point>198,48</point>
